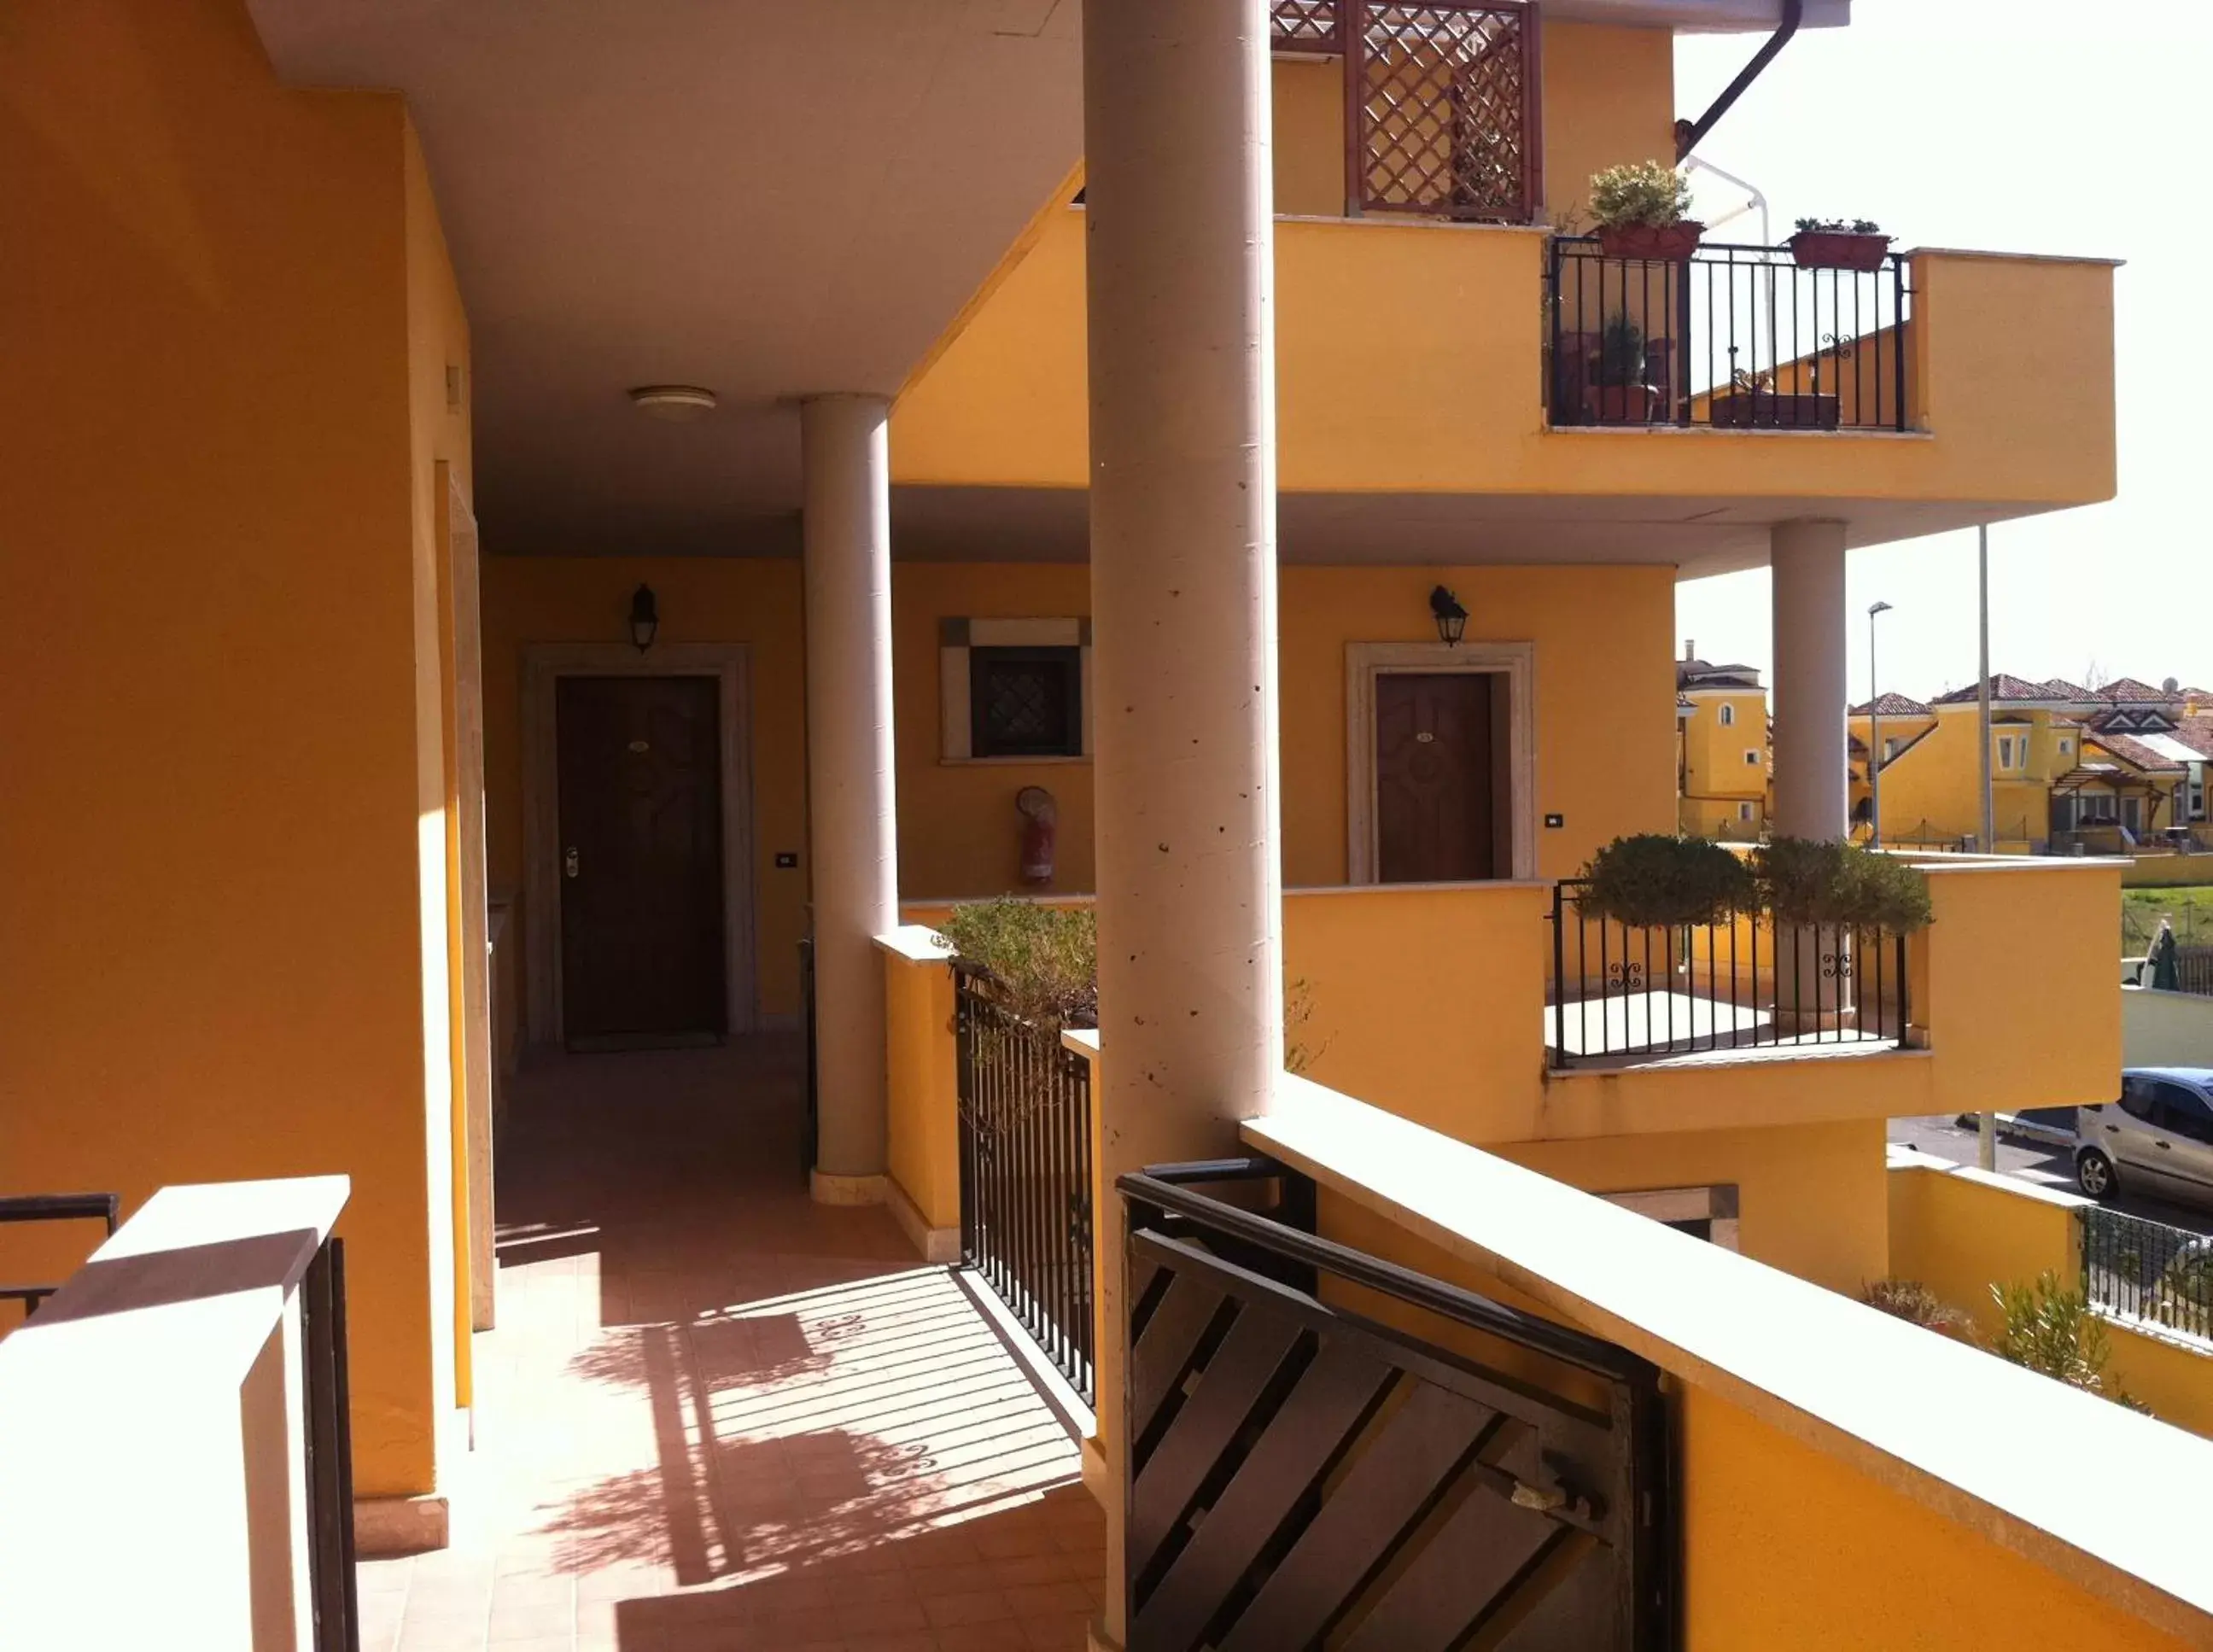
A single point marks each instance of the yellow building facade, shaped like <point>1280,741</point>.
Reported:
<point>406,550</point>
<point>1722,785</point>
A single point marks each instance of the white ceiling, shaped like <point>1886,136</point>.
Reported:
<point>769,197</point>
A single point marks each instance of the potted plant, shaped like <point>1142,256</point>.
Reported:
<point>1637,208</point>
<point>1811,883</point>
<point>1620,395</point>
<point>1655,881</point>
<point>1834,244</point>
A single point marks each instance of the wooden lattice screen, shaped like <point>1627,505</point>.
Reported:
<point>1307,26</point>
<point>1443,111</point>
<point>1441,102</point>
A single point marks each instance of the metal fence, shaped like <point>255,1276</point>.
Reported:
<point>1621,991</point>
<point>1025,1107</point>
<point>1734,337</point>
<point>1293,1468</point>
<point>104,1208</point>
<point>2140,1270</point>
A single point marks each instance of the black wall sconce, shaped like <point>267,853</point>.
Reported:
<point>1452,619</point>
<point>645,618</point>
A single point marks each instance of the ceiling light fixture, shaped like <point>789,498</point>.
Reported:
<point>678,404</point>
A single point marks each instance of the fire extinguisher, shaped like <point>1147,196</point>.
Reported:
<point>1040,819</point>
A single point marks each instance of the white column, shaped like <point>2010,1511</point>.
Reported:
<point>1813,797</point>
<point>1183,590</point>
<point>851,813</point>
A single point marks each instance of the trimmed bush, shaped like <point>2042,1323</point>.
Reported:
<point>1808,882</point>
<point>1653,881</point>
<point>1043,960</point>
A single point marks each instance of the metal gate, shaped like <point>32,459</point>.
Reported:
<point>1025,1107</point>
<point>1298,1474</point>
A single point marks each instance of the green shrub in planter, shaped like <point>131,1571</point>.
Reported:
<point>1808,883</point>
<point>1654,881</point>
<point>1043,960</point>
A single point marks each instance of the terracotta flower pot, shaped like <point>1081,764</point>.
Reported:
<point>1839,249</point>
<point>1668,242</point>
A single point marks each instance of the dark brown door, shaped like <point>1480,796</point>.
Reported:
<point>1437,788</point>
<point>641,871</point>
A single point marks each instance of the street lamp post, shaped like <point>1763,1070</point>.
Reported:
<point>1874,735</point>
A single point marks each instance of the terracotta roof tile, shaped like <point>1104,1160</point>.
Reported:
<point>1892,705</point>
<point>2128,691</point>
<point>2002,687</point>
<point>2135,753</point>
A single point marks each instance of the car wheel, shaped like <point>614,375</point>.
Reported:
<point>2093,1173</point>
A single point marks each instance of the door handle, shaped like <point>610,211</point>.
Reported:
<point>568,863</point>
<point>2161,1146</point>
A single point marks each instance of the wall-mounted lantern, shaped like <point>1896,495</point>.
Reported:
<point>645,618</point>
<point>1452,619</point>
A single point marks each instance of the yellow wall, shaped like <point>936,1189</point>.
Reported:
<point>1932,792</point>
<point>1959,1231</point>
<point>1364,409</point>
<point>439,462</point>
<point>1609,97</point>
<point>225,906</point>
<point>1787,1546</point>
<point>958,829</point>
<point>1713,752</point>
<point>922,1086</point>
<point>530,600</point>
<point>1810,1196</point>
<point>959,833</point>
<point>1309,136</point>
<point>2014,980</point>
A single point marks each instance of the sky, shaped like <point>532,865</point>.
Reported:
<point>2014,125</point>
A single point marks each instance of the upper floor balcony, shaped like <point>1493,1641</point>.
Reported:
<point>1451,353</point>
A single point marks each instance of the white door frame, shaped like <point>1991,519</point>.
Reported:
<point>544,664</point>
<point>1363,664</point>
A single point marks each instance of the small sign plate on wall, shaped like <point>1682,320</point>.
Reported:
<point>1554,822</point>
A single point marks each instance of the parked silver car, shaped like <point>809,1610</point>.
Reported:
<point>2157,1139</point>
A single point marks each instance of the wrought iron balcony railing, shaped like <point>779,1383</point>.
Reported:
<point>1733,337</point>
<point>1620,992</point>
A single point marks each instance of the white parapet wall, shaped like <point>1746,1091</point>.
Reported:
<point>2166,1029</point>
<point>153,1474</point>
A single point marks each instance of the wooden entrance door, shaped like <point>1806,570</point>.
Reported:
<point>1437,793</point>
<point>641,858</point>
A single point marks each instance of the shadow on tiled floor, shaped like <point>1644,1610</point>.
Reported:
<point>716,1415</point>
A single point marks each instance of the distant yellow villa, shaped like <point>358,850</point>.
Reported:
<point>552,543</point>
<point>2116,769</point>
<point>1722,740</point>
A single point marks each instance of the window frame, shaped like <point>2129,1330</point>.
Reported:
<point>1066,661</point>
<point>956,640</point>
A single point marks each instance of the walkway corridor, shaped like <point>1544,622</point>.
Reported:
<point>715,1415</point>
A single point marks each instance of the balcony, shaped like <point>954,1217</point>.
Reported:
<point>1733,337</point>
<point>1419,383</point>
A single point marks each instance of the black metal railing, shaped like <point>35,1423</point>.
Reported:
<point>1736,338</point>
<point>330,1578</point>
<point>54,1207</point>
<point>2136,1269</point>
<point>1299,1475</point>
<point>1025,1109</point>
<point>810,1131</point>
<point>1620,992</point>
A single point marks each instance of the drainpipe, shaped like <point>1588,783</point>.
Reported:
<point>1690,133</point>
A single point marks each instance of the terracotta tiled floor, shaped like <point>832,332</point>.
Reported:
<point>715,1414</point>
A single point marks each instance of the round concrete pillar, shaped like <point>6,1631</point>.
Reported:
<point>851,813</point>
<point>1813,797</point>
<point>1180,271</point>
